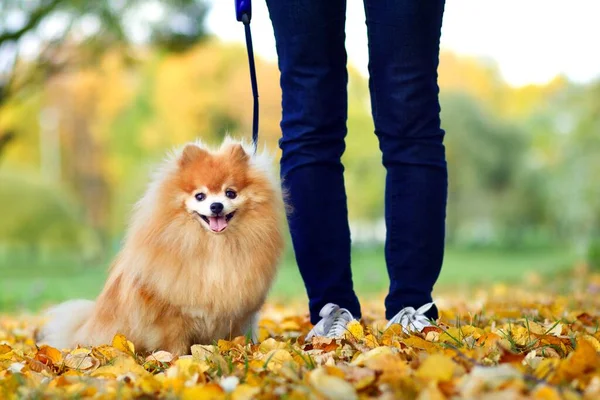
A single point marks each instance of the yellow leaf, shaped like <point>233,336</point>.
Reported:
<point>452,335</point>
<point>6,352</point>
<point>275,358</point>
<point>334,371</point>
<point>80,390</point>
<point>271,344</point>
<point>219,362</point>
<point>253,379</point>
<point>546,368</point>
<point>391,334</point>
<point>506,313</point>
<point>332,387</point>
<point>120,342</point>
<point>224,345</point>
<point>520,335</point>
<point>266,328</point>
<point>355,329</point>
<point>209,391</point>
<point>105,353</point>
<point>371,341</point>
<point>545,392</point>
<point>59,381</point>
<point>417,342</point>
<point>186,367</point>
<point>593,341</point>
<point>162,356</point>
<point>120,366</point>
<point>536,328</point>
<point>256,365</point>
<point>201,352</point>
<point>72,372</point>
<point>263,333</point>
<point>437,367</point>
<point>244,392</point>
<point>149,385</point>
<point>289,325</point>
<point>80,359</point>
<point>361,378</point>
<point>391,367</point>
<point>490,378</point>
<point>371,354</point>
<point>81,351</point>
<point>431,392</point>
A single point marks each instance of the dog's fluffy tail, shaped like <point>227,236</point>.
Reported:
<point>63,322</point>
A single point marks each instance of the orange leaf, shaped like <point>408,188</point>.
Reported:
<point>49,355</point>
<point>4,348</point>
<point>583,360</point>
<point>428,329</point>
<point>324,343</point>
<point>509,357</point>
<point>488,339</point>
<point>587,319</point>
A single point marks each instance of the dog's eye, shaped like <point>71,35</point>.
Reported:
<point>200,196</point>
<point>230,194</point>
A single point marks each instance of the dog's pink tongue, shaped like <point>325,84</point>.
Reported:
<point>217,224</point>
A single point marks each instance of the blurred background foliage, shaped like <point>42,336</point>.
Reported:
<point>106,93</point>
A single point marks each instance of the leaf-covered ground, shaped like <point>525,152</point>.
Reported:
<point>500,342</point>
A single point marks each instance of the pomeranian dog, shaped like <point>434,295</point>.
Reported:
<point>199,257</point>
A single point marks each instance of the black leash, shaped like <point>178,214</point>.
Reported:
<point>243,10</point>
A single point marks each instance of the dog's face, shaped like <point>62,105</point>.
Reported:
<point>217,185</point>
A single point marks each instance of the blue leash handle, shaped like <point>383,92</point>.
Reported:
<point>243,12</point>
<point>243,7</point>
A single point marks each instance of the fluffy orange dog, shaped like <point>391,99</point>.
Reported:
<point>198,260</point>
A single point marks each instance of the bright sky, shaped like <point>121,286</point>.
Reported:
<point>532,41</point>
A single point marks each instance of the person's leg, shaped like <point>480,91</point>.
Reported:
<point>312,59</point>
<point>403,58</point>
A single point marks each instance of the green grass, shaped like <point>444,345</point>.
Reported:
<point>23,287</point>
<point>462,267</point>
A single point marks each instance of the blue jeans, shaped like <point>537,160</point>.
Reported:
<point>403,59</point>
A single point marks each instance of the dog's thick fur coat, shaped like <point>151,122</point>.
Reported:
<point>175,282</point>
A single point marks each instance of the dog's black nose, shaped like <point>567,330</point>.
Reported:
<point>216,208</point>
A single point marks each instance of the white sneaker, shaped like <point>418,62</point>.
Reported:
<point>412,320</point>
<point>333,322</point>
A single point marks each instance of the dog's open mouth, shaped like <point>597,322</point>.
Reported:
<point>218,223</point>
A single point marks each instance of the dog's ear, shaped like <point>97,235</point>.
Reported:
<point>190,153</point>
<point>238,153</point>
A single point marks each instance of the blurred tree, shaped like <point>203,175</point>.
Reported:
<point>569,159</point>
<point>481,79</point>
<point>5,139</point>
<point>94,27</point>
<point>42,227</point>
<point>58,44</point>
<point>485,159</point>
<point>520,159</point>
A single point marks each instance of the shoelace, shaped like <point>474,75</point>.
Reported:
<point>340,320</point>
<point>334,320</point>
<point>409,317</point>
